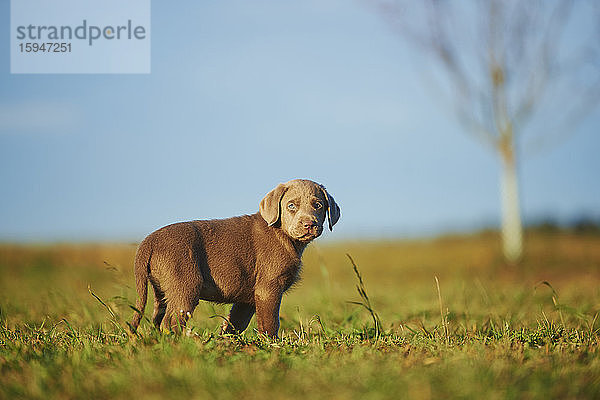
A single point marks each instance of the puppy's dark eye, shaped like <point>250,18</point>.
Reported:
<point>292,207</point>
<point>318,205</point>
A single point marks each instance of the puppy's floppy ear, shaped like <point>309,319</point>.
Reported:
<point>270,209</point>
<point>333,210</point>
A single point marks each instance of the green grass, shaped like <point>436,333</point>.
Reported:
<point>487,331</point>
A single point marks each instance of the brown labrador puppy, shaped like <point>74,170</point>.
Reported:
<point>249,261</point>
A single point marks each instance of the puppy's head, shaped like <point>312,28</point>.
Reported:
<point>299,208</point>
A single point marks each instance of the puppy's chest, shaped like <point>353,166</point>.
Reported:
<point>289,276</point>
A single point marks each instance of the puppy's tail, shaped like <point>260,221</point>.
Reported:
<point>141,271</point>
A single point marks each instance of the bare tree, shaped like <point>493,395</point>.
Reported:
<point>504,66</point>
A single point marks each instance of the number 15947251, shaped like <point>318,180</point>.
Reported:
<point>45,47</point>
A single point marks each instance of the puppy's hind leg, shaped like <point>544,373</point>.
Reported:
<point>179,310</point>
<point>160,308</point>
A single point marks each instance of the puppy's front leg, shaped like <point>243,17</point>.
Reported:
<point>267,311</point>
<point>238,319</point>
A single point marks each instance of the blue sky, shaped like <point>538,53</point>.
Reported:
<point>243,96</point>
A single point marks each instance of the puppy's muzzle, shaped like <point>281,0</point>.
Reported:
<point>308,230</point>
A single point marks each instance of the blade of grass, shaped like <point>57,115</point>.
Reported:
<point>366,302</point>
<point>443,317</point>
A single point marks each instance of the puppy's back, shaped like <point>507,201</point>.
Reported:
<point>216,256</point>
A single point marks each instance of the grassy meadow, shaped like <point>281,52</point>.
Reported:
<point>491,331</point>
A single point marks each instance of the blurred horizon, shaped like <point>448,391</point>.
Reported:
<point>244,96</point>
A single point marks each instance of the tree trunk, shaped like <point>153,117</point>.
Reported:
<point>512,229</point>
